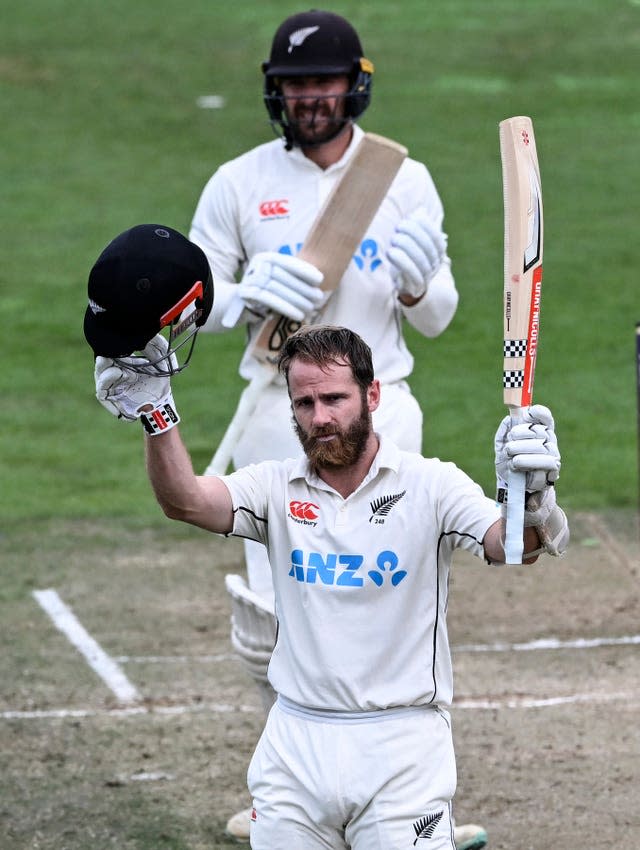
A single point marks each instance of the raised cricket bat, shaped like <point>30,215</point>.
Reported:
<point>523,239</point>
<point>330,245</point>
<point>340,225</point>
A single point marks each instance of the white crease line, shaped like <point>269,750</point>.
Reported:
<point>542,702</point>
<point>65,620</point>
<point>176,659</point>
<point>168,710</point>
<point>548,643</point>
<point>467,703</point>
<point>539,644</point>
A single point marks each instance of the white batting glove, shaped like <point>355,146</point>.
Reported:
<point>530,447</point>
<point>417,250</point>
<point>130,395</point>
<point>547,517</point>
<point>278,282</point>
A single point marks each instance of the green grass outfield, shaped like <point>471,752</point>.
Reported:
<point>103,131</point>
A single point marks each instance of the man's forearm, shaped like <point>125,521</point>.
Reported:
<point>494,543</point>
<point>181,494</point>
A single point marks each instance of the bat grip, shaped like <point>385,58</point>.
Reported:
<point>233,312</point>
<point>236,428</point>
<point>514,532</point>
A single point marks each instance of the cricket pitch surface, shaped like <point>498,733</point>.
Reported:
<point>146,745</point>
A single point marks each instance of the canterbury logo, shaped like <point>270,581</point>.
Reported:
<point>297,38</point>
<point>269,209</point>
<point>381,507</point>
<point>304,510</point>
<point>425,827</point>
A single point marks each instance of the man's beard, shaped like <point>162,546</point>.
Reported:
<point>345,449</point>
<point>307,131</point>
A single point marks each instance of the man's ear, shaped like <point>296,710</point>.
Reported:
<point>373,395</point>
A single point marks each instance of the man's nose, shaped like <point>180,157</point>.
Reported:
<point>321,414</point>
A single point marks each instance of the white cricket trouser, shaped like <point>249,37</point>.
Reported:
<point>370,781</point>
<point>269,437</point>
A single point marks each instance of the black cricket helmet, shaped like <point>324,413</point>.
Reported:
<point>315,43</point>
<point>148,279</point>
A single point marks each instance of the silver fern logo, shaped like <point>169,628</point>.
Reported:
<point>96,308</point>
<point>426,826</point>
<point>298,38</point>
<point>381,507</point>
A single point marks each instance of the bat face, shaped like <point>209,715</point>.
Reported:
<point>523,239</point>
<point>339,227</point>
<point>330,244</point>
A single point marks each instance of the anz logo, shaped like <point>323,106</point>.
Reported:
<point>367,258</point>
<point>344,570</point>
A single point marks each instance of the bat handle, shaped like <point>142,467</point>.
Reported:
<point>514,533</point>
<point>233,312</point>
<point>236,428</point>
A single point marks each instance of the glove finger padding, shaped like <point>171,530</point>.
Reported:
<point>284,294</point>
<point>418,248</point>
<point>538,414</point>
<point>156,350</point>
<point>529,447</point>
<point>282,283</point>
<point>109,379</point>
<point>426,247</point>
<point>544,514</point>
<point>298,267</point>
<point>131,395</point>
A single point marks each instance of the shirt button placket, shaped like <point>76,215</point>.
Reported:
<point>342,515</point>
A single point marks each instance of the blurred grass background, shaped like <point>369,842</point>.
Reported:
<point>103,131</point>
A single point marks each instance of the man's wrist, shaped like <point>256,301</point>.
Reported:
<point>161,419</point>
<point>410,300</point>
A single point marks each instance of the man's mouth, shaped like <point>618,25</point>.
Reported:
<point>311,114</point>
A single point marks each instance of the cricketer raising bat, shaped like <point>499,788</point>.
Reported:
<point>330,245</point>
<point>523,238</point>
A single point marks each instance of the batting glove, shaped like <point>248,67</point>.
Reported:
<point>417,250</point>
<point>530,446</point>
<point>547,517</point>
<point>131,395</point>
<point>278,282</point>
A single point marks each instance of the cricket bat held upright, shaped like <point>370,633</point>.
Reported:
<point>523,240</point>
<point>339,227</point>
<point>330,245</point>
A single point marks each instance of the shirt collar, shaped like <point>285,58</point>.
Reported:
<point>358,133</point>
<point>387,457</point>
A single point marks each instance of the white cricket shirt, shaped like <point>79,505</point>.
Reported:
<point>267,200</point>
<point>361,584</point>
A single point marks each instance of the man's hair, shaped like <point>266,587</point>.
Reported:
<point>325,345</point>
